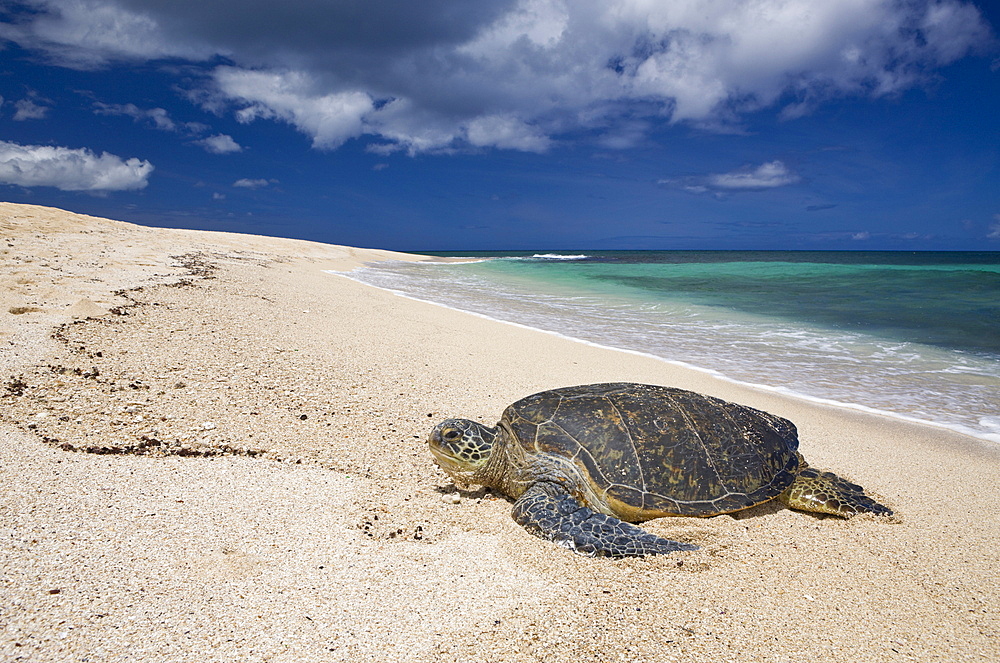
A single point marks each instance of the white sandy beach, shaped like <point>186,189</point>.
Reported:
<point>213,450</point>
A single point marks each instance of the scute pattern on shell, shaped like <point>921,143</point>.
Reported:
<point>656,451</point>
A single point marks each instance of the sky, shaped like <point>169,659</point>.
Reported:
<point>513,124</point>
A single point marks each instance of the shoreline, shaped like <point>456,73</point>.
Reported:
<point>338,539</point>
<point>988,439</point>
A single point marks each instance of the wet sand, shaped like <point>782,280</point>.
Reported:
<point>213,450</point>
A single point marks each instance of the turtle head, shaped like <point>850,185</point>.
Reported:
<point>462,447</point>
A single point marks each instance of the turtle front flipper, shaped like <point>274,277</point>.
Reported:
<point>548,511</point>
<point>825,492</point>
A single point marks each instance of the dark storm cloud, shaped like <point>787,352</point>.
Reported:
<point>312,29</point>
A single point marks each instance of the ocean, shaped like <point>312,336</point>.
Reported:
<point>913,335</point>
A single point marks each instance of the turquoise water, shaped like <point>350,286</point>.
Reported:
<point>912,334</point>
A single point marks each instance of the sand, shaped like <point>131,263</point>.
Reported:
<point>213,450</point>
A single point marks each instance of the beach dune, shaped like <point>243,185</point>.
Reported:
<point>212,449</point>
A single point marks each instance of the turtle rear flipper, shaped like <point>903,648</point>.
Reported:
<point>825,492</point>
<point>548,511</point>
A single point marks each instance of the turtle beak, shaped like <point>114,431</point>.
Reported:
<point>446,459</point>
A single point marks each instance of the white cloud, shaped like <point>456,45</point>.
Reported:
<point>245,183</point>
<point>514,74</point>
<point>540,23</point>
<point>768,175</point>
<point>994,232</point>
<point>506,132</point>
<point>158,117</point>
<point>410,128</point>
<point>765,176</point>
<point>330,119</point>
<point>29,110</point>
<point>70,169</point>
<point>949,27</point>
<point>220,144</point>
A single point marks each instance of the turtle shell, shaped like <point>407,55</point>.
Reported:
<point>654,451</point>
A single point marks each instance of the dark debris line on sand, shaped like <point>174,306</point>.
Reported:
<point>162,375</point>
<point>83,392</point>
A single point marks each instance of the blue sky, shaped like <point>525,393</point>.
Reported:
<point>513,124</point>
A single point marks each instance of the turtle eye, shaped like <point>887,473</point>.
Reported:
<point>451,435</point>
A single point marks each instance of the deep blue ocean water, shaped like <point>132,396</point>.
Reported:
<point>916,335</point>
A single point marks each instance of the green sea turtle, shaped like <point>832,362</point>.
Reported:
<point>581,460</point>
